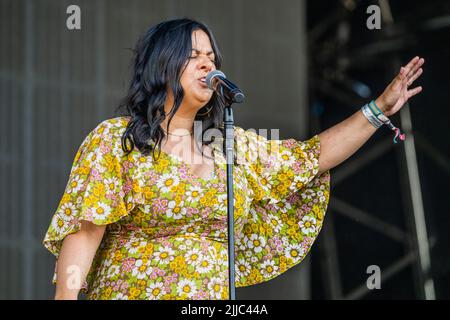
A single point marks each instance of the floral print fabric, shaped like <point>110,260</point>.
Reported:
<point>166,235</point>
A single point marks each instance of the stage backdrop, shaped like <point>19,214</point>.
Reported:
<point>57,84</point>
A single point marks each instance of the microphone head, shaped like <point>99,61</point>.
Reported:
<point>210,76</point>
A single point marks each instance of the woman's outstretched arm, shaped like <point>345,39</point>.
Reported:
<point>342,140</point>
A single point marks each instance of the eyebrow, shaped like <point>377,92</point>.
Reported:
<point>198,51</point>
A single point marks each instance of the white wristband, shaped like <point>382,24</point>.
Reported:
<point>370,116</point>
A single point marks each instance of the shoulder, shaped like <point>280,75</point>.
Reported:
<point>250,136</point>
<point>107,135</point>
<point>111,127</point>
<point>243,133</point>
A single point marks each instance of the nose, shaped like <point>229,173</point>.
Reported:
<point>206,64</point>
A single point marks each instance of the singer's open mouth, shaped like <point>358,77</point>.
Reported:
<point>203,82</point>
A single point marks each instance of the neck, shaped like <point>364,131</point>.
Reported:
<point>178,124</point>
<point>183,119</point>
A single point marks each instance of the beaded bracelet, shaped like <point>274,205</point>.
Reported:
<point>377,118</point>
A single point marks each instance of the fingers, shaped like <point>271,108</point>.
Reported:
<point>414,77</point>
<point>404,71</point>
<point>414,91</point>
<point>415,67</point>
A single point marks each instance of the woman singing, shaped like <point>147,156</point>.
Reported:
<point>144,215</point>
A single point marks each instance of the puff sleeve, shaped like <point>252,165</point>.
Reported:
<point>289,204</point>
<point>97,189</point>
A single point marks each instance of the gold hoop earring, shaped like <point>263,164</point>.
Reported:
<point>205,113</point>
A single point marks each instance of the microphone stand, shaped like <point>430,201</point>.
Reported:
<point>229,156</point>
<point>230,94</point>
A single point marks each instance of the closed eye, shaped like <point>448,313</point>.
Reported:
<point>211,59</point>
<point>209,54</point>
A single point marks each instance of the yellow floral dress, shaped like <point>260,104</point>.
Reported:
<point>166,232</point>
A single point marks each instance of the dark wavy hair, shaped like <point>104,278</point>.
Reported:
<point>160,57</point>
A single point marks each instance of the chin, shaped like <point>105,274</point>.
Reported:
<point>203,101</point>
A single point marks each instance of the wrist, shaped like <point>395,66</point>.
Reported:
<point>370,115</point>
<point>381,105</point>
<point>377,117</point>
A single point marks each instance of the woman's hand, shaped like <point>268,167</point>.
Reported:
<point>397,92</point>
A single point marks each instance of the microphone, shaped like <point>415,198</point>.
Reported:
<point>217,81</point>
